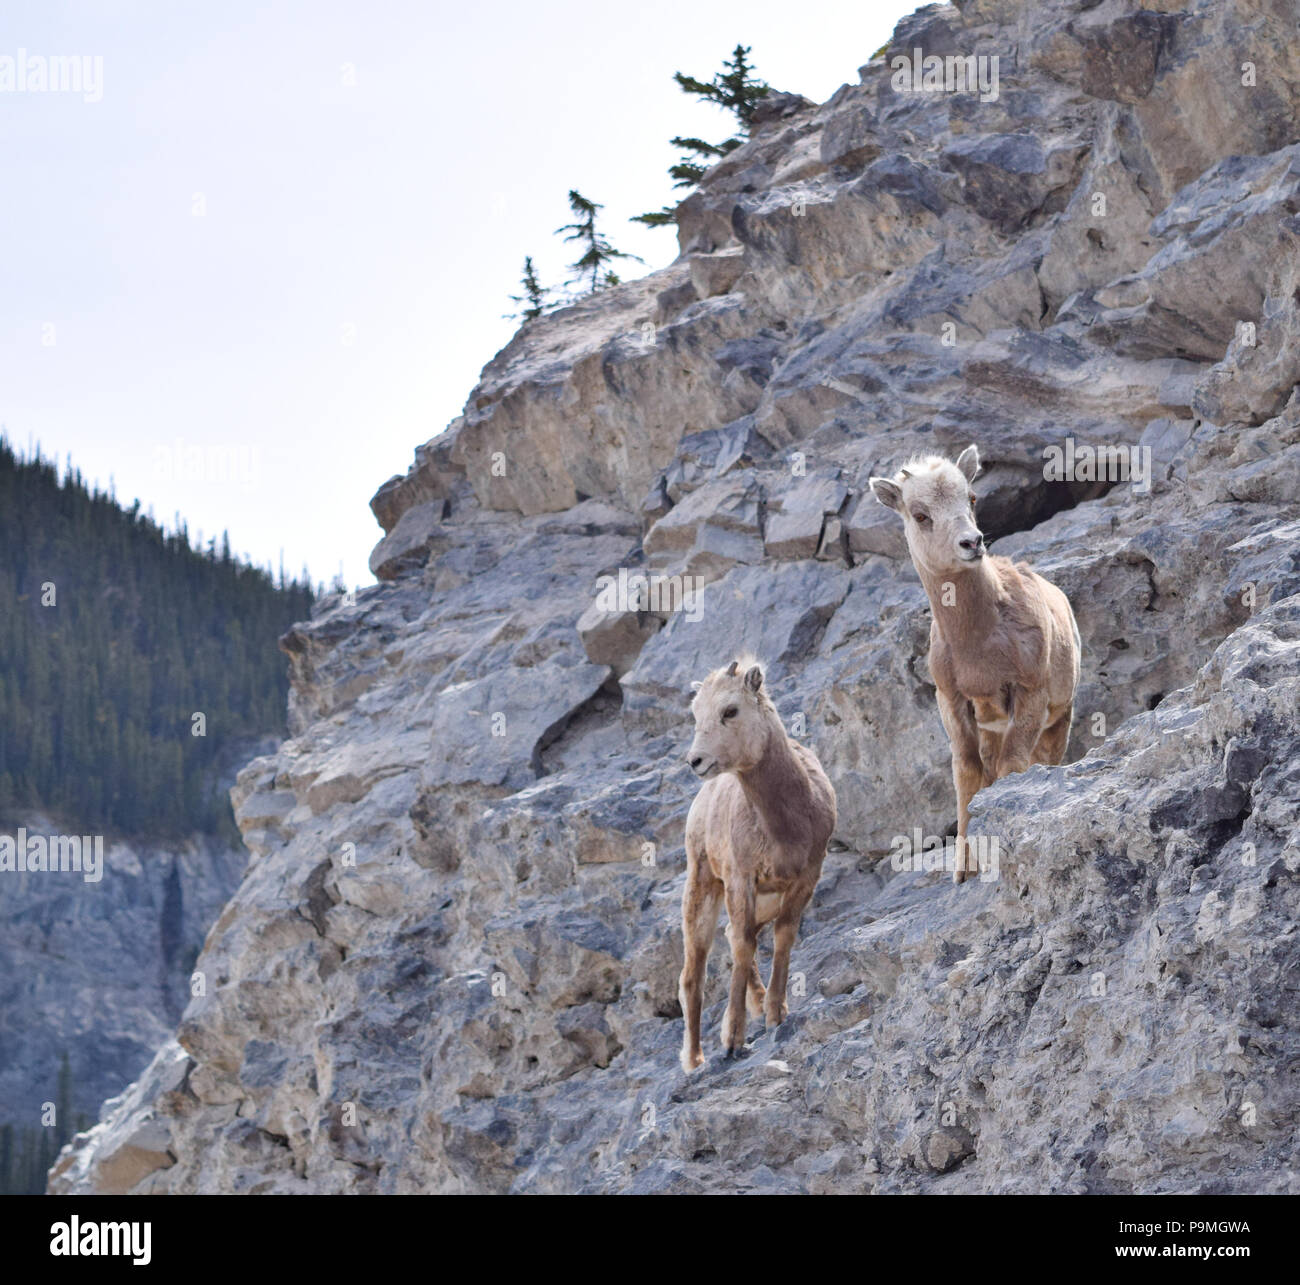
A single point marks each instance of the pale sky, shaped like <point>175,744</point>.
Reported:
<point>273,257</point>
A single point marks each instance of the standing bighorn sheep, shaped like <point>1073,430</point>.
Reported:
<point>756,835</point>
<point>1004,646</point>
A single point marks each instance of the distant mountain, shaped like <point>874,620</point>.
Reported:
<point>114,635</point>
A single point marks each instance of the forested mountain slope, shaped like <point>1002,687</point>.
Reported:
<point>114,635</point>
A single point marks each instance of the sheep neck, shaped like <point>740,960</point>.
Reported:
<point>976,606</point>
<point>777,786</point>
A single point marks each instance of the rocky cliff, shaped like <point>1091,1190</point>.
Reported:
<point>452,963</point>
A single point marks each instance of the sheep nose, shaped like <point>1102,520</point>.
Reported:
<point>695,761</point>
<point>972,543</point>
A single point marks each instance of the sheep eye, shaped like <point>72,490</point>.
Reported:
<point>972,501</point>
<point>923,519</point>
<point>730,712</point>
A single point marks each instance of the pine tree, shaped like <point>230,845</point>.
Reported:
<point>591,266</point>
<point>534,295</point>
<point>734,89</point>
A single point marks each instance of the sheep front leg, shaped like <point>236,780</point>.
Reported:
<point>784,932</point>
<point>742,932</point>
<point>1028,715</point>
<point>701,900</point>
<point>754,991</point>
<point>967,768</point>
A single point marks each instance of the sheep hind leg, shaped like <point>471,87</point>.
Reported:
<point>783,935</point>
<point>990,749</point>
<point>1051,745</point>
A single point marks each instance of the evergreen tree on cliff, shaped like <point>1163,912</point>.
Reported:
<point>591,268</point>
<point>735,89</point>
<point>534,297</point>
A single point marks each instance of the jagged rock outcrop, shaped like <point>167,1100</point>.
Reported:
<point>452,963</point>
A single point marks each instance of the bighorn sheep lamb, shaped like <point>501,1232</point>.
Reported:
<point>756,835</point>
<point>1004,645</point>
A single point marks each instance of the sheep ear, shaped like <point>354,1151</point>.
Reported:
<point>754,678</point>
<point>887,492</point>
<point>731,671</point>
<point>969,463</point>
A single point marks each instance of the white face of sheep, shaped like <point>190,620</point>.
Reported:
<point>730,730</point>
<point>937,506</point>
